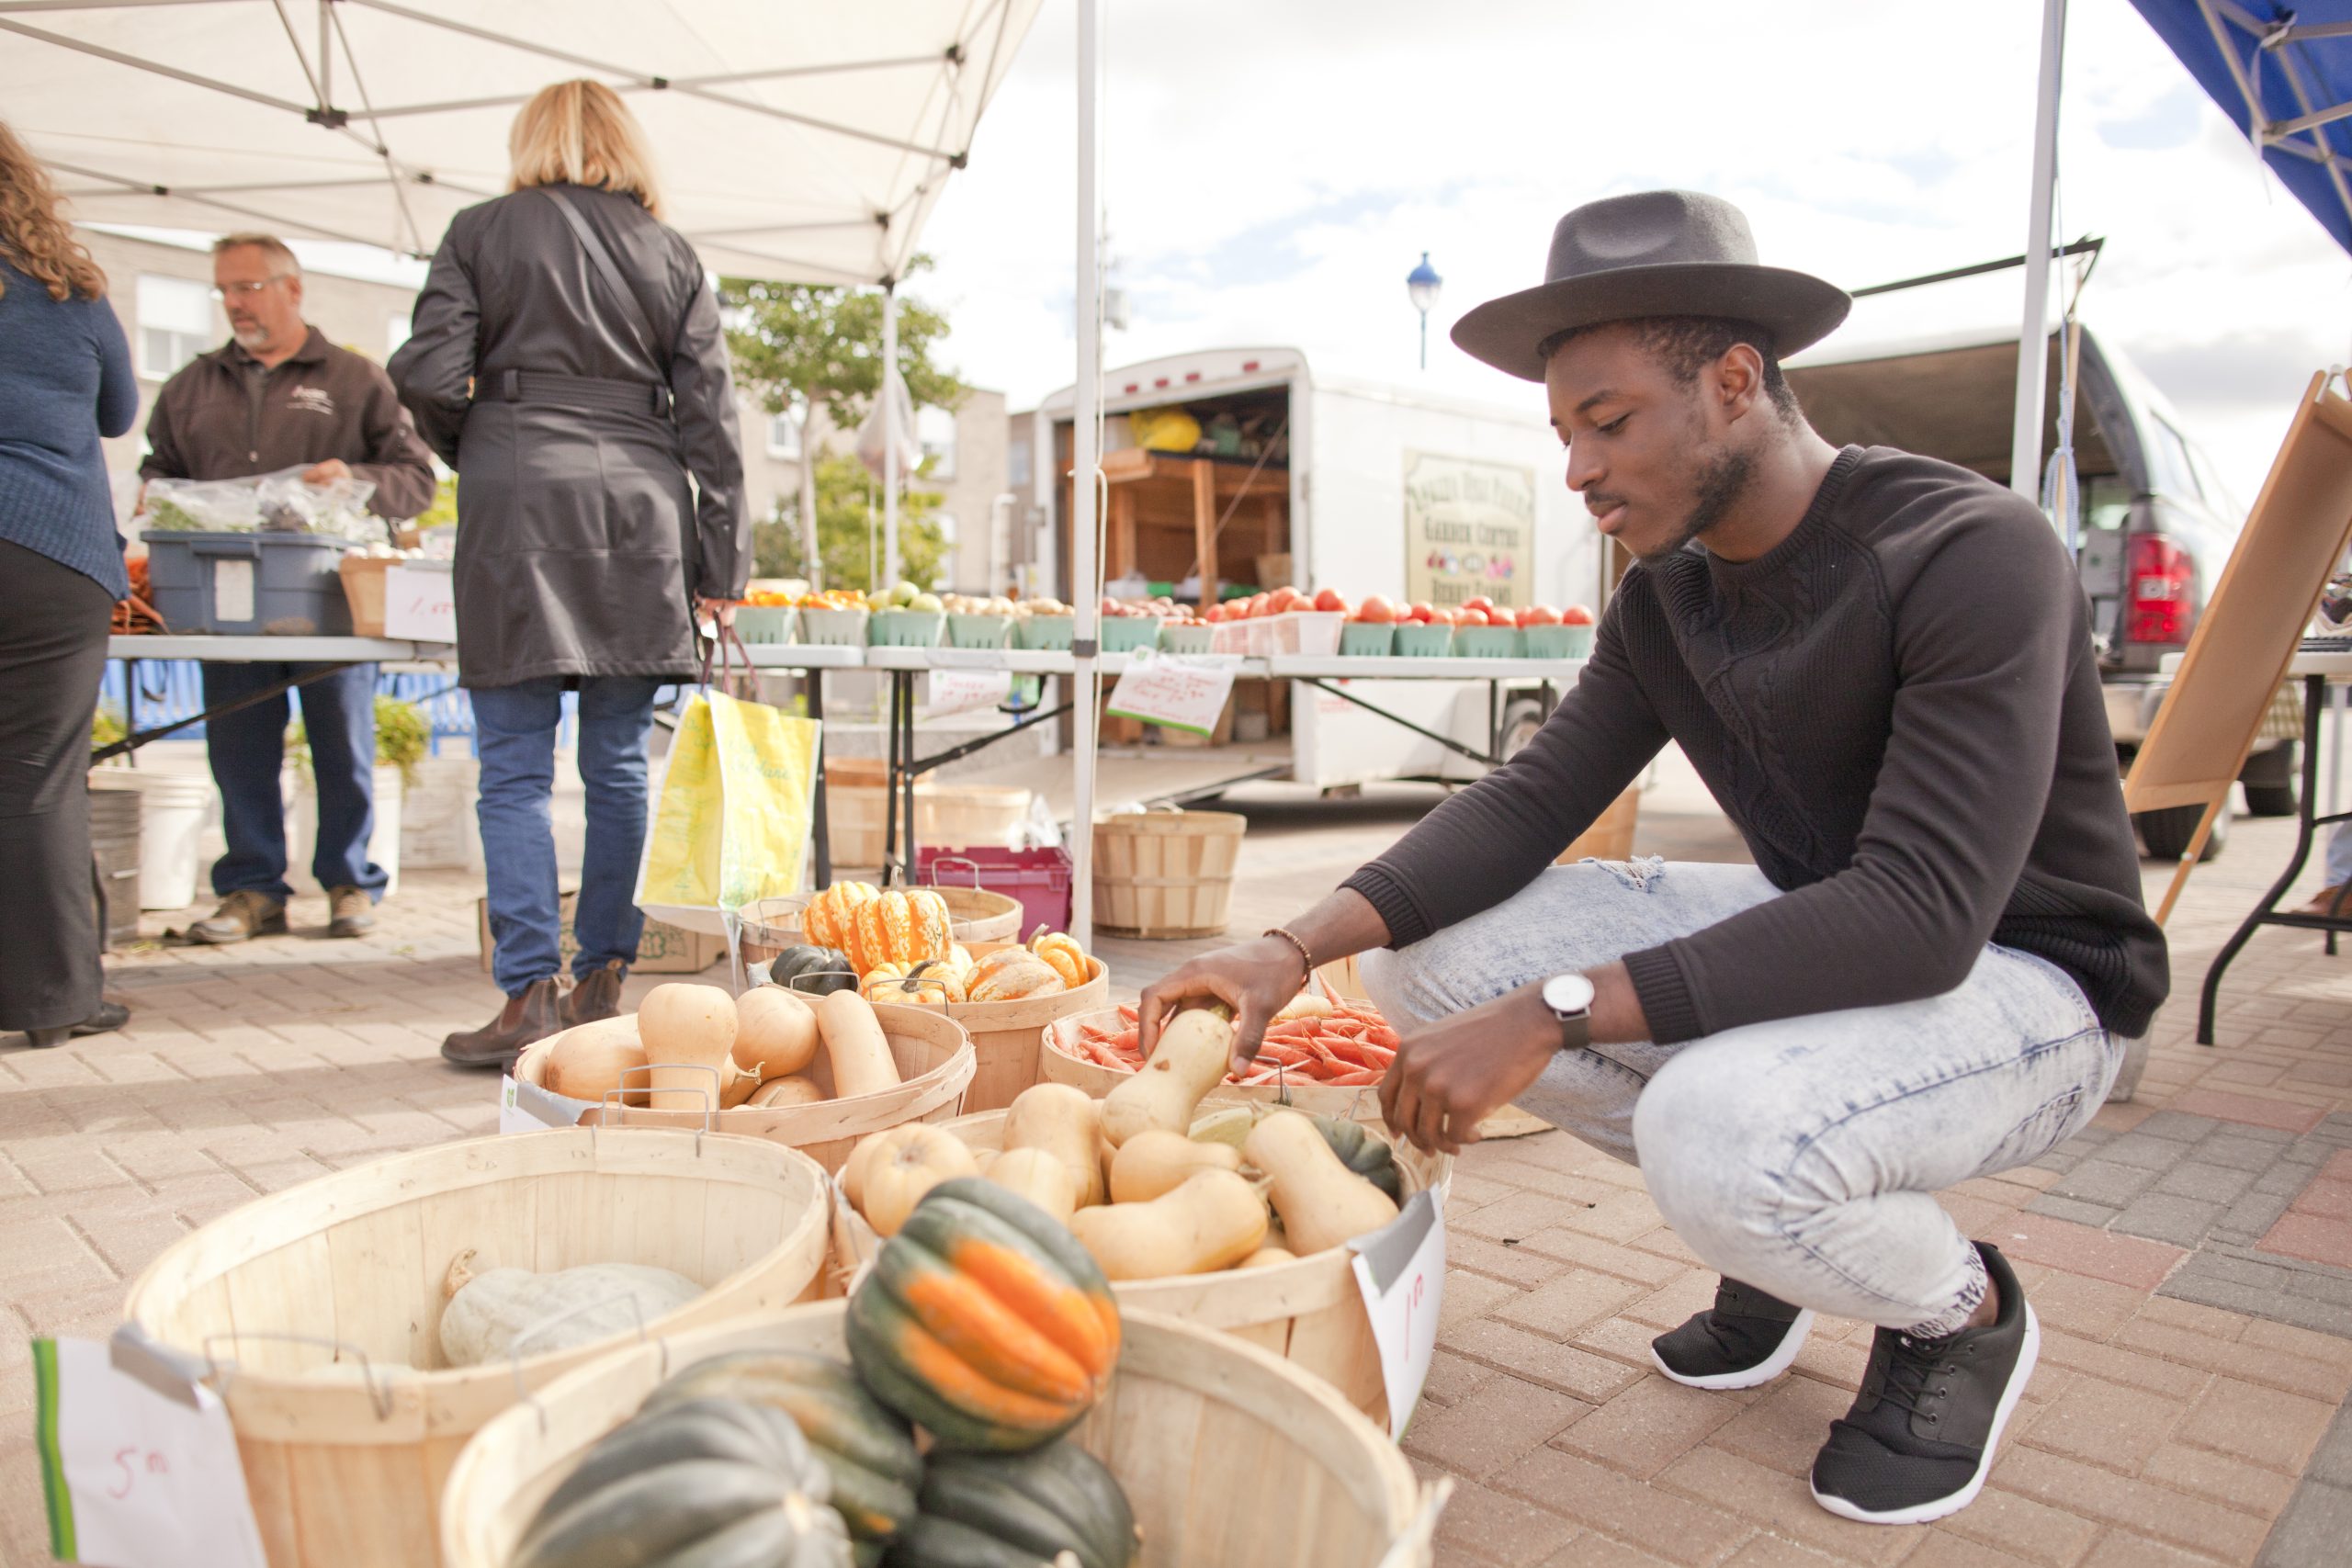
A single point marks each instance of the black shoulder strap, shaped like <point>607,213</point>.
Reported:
<point>632,311</point>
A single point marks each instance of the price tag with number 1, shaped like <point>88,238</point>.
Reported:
<point>1401,1270</point>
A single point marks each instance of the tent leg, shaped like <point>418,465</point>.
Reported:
<point>1085,688</point>
<point>2033,335</point>
<point>891,435</point>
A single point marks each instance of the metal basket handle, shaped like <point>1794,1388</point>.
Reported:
<point>616,1102</point>
<point>794,984</point>
<point>378,1396</point>
<point>971,865</point>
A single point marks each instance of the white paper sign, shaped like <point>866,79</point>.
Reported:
<point>527,1108</point>
<point>1181,691</point>
<point>420,603</point>
<point>1401,1270</point>
<point>232,590</point>
<point>969,658</point>
<point>138,1461</point>
<point>963,691</point>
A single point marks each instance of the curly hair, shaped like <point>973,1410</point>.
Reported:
<point>33,236</point>
<point>1688,345</point>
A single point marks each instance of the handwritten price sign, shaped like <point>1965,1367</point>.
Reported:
<point>1401,1270</point>
<point>964,690</point>
<point>1183,691</point>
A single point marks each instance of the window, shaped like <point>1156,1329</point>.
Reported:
<point>936,430</point>
<point>784,437</point>
<point>1016,465</point>
<point>945,523</point>
<point>175,323</point>
<point>2168,458</point>
<point>395,331</point>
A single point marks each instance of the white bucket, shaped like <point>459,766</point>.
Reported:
<point>174,809</point>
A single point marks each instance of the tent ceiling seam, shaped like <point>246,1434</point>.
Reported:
<point>392,168</point>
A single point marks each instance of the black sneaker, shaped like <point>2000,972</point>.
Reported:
<point>1746,1339</point>
<point>1919,1441</point>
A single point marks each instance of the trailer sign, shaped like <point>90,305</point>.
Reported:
<point>1469,530</point>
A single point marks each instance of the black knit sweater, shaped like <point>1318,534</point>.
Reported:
<point>1899,708</point>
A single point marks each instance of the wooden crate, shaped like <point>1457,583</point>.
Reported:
<point>1308,1311</point>
<point>344,1471</point>
<point>1228,1454</point>
<point>1166,873</point>
<point>935,1061</point>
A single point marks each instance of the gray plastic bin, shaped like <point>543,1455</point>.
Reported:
<point>247,585</point>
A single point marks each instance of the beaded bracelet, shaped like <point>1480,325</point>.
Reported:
<point>1290,937</point>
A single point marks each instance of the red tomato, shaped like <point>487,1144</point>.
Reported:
<point>1253,606</point>
<point>1479,602</point>
<point>1538,615</point>
<point>1472,616</point>
<point>1330,600</point>
<point>1212,613</point>
<point>1376,611</point>
<point>1445,617</point>
<point>1419,610</point>
<point>1284,600</point>
<point>1576,615</point>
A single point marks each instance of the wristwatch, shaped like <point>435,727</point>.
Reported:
<point>1570,998</point>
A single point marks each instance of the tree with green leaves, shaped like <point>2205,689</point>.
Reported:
<point>848,501</point>
<point>804,347</point>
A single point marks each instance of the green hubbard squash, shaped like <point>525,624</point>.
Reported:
<point>984,1321</point>
<point>1019,1511</point>
<point>715,1482</point>
<point>812,971</point>
<point>1365,1152</point>
<point>869,1450</point>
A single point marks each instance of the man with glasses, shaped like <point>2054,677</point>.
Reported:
<point>280,396</point>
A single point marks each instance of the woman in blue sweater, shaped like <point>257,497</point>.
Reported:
<point>65,379</point>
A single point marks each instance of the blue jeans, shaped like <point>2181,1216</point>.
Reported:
<point>247,750</point>
<point>1799,1156</point>
<point>514,729</point>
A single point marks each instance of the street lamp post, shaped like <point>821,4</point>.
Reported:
<point>1422,284</point>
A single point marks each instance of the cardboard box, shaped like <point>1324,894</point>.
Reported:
<point>662,949</point>
<point>420,602</point>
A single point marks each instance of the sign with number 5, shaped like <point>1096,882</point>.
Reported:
<point>1400,1268</point>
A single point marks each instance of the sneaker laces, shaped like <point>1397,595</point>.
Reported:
<point>1909,1365</point>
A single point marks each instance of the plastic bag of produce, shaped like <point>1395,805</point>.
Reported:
<point>279,501</point>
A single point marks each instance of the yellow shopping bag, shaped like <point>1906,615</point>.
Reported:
<point>731,816</point>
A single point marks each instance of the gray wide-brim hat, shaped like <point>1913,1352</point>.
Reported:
<point>1659,253</point>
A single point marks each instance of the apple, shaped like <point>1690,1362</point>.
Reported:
<point>902,593</point>
<point>1471,616</point>
<point>1211,613</point>
<point>1286,600</point>
<point>929,603</point>
<point>1419,610</point>
<point>1538,615</point>
<point>1376,611</point>
<point>1329,599</point>
<point>1479,602</point>
<point>1576,615</point>
<point>1445,617</point>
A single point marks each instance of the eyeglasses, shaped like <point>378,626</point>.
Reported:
<point>246,291</point>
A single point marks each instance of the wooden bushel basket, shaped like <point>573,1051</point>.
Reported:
<point>935,1059</point>
<point>1309,1312</point>
<point>1166,873</point>
<point>345,1470</point>
<point>1229,1456</point>
<point>1007,1036</point>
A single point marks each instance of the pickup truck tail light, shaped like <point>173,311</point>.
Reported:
<point>2159,584</point>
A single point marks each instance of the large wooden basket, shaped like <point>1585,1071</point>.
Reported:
<point>1229,1457</point>
<point>935,1059</point>
<point>974,915</point>
<point>344,1461</point>
<point>1309,1312</point>
<point>1166,873</point>
<point>1008,1037</point>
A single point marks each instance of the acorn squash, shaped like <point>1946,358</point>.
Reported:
<point>728,1481</point>
<point>984,1321</point>
<point>1019,1511</point>
<point>1365,1152</point>
<point>867,1449</point>
<point>812,971</point>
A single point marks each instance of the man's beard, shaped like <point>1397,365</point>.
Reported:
<point>251,338</point>
<point>1722,475</point>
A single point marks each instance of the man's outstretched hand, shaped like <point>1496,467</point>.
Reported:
<point>1256,980</point>
<point>1450,1075</point>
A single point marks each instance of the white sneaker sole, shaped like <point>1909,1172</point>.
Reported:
<point>1763,1371</point>
<point>1919,1513</point>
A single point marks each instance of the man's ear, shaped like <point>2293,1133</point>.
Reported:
<point>1739,381</point>
<point>294,290</point>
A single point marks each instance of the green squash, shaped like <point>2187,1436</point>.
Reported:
<point>813,971</point>
<point>706,1484</point>
<point>870,1451</point>
<point>984,1321</point>
<point>1019,1511</point>
<point>1363,1151</point>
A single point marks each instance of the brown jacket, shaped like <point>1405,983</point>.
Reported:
<point>224,417</point>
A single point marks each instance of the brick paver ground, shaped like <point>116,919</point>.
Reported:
<point>2187,1255</point>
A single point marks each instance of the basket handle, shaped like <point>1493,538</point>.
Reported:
<point>794,984</point>
<point>971,865</point>
<point>377,1394</point>
<point>614,1099</point>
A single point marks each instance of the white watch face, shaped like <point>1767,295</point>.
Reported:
<point>1569,994</point>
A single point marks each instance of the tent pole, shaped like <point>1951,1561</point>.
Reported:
<point>1087,461</point>
<point>2033,334</point>
<point>891,435</point>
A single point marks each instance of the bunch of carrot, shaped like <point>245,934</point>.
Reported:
<point>1352,1045</point>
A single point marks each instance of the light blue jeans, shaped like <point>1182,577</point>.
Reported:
<point>1800,1155</point>
<point>515,731</point>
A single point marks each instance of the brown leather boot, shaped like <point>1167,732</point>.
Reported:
<point>531,1016</point>
<point>598,995</point>
<point>241,915</point>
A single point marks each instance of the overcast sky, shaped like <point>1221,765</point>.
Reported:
<point>1273,171</point>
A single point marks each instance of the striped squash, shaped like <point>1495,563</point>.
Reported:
<point>1062,955</point>
<point>831,918</point>
<point>900,928</point>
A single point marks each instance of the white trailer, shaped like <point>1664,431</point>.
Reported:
<point>1355,486</point>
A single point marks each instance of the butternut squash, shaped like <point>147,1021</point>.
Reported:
<point>1040,1177</point>
<point>855,1047</point>
<point>590,1060</point>
<point>1153,1162</point>
<point>1213,1221</point>
<point>910,1161</point>
<point>796,1088</point>
<point>1322,1203</point>
<point>775,1031</point>
<point>688,1032</point>
<point>1191,1059</point>
<point>1266,1257</point>
<point>1062,1121</point>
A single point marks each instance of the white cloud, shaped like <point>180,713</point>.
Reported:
<point>1273,171</point>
